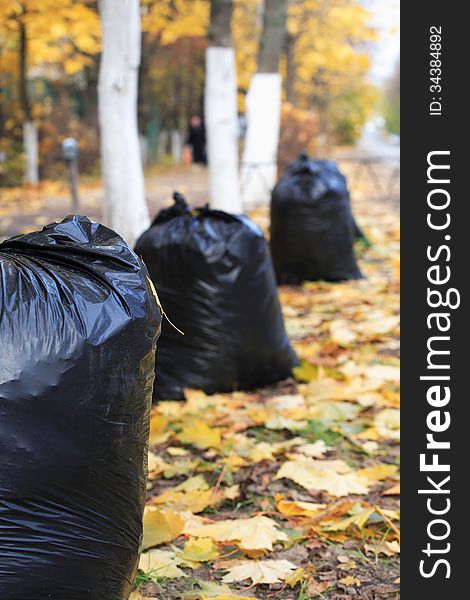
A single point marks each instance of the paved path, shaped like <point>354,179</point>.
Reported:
<point>26,210</point>
<point>39,207</point>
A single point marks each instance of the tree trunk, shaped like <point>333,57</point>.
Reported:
<point>125,205</point>
<point>263,110</point>
<point>30,132</point>
<point>221,111</point>
<point>220,30</point>
<point>30,144</point>
<point>273,35</point>
<point>290,68</point>
<point>176,146</point>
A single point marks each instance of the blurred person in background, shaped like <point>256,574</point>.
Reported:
<point>196,140</point>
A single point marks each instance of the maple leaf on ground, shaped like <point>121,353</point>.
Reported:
<point>161,526</point>
<point>257,533</point>
<point>341,333</point>
<point>378,472</point>
<point>334,411</point>
<point>161,563</point>
<point>315,450</point>
<point>197,433</point>
<point>387,423</point>
<point>260,571</point>
<point>328,476</point>
<point>158,433</point>
<point>199,550</point>
<point>296,508</point>
<point>359,519</point>
<point>194,500</point>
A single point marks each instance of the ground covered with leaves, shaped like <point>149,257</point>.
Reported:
<point>290,492</point>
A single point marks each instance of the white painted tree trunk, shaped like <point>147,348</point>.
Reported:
<point>176,146</point>
<point>125,204</point>
<point>30,145</point>
<point>222,129</point>
<point>263,114</point>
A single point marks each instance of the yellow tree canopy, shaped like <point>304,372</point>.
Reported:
<point>63,33</point>
<point>171,19</point>
<point>330,39</point>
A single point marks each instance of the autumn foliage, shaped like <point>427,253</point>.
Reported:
<point>291,491</point>
<point>324,65</point>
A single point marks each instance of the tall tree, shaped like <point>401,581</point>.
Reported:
<point>36,35</point>
<point>30,131</point>
<point>221,110</point>
<point>125,204</point>
<point>263,108</point>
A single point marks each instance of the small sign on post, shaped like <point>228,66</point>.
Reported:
<point>70,156</point>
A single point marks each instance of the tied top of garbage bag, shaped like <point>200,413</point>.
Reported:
<point>79,321</point>
<point>312,226</point>
<point>213,273</point>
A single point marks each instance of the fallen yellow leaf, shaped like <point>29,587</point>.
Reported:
<point>257,533</point>
<point>161,563</point>
<point>298,509</point>
<point>350,580</point>
<point>199,550</point>
<point>325,475</point>
<point>158,425</point>
<point>156,465</point>
<point>194,501</point>
<point>359,519</point>
<point>200,435</point>
<point>260,571</point>
<point>298,575</point>
<point>387,423</point>
<point>315,450</point>
<point>341,333</point>
<point>378,472</point>
<point>160,526</point>
<point>334,411</point>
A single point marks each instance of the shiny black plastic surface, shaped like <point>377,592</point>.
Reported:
<point>312,227</point>
<point>78,330</point>
<point>213,273</point>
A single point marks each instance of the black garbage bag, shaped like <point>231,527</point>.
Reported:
<point>312,226</point>
<point>213,273</point>
<point>78,329</point>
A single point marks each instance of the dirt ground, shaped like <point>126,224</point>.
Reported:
<point>26,209</point>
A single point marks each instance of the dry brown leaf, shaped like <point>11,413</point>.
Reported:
<point>260,571</point>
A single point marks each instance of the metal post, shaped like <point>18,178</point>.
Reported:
<point>70,156</point>
<point>73,178</point>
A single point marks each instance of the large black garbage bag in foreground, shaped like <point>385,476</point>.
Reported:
<point>312,227</point>
<point>213,273</point>
<point>78,329</point>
